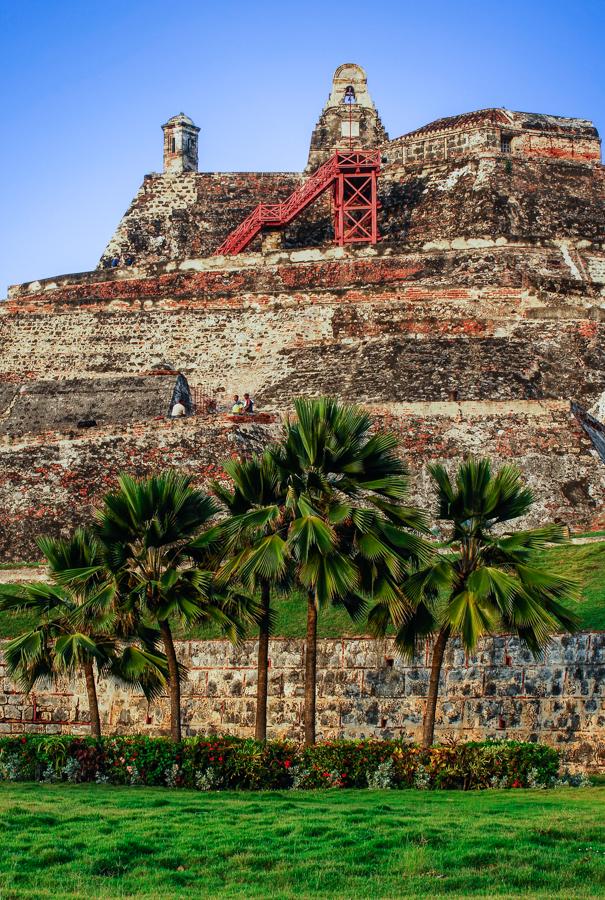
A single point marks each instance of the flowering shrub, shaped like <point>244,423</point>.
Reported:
<point>223,762</point>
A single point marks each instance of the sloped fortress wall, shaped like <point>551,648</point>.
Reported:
<point>364,690</point>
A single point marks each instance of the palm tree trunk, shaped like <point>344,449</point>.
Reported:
<point>93,703</point>
<point>310,669</point>
<point>174,685</point>
<point>260,732</point>
<point>428,727</point>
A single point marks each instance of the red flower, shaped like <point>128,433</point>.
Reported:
<point>24,740</point>
<point>211,758</point>
<point>287,764</point>
<point>220,759</point>
<point>516,783</point>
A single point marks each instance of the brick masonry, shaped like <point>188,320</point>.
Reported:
<point>364,689</point>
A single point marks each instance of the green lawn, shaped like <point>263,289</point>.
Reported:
<point>96,841</point>
<point>586,562</point>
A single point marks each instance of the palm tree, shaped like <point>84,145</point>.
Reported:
<point>488,580</point>
<point>345,492</point>
<point>158,537</point>
<point>78,626</point>
<point>256,549</point>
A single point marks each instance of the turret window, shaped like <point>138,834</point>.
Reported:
<point>505,143</point>
<point>349,96</point>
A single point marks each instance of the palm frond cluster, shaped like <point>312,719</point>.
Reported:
<point>326,511</point>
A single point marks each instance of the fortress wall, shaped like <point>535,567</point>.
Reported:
<point>426,147</point>
<point>370,327</point>
<point>439,187</point>
<point>52,481</point>
<point>512,333</point>
<point>429,148</point>
<point>364,690</point>
<point>176,216</point>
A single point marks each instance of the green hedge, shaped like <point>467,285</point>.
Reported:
<point>214,763</point>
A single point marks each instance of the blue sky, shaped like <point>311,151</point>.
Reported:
<point>86,85</point>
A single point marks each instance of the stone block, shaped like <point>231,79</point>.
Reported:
<point>290,683</point>
<point>404,713</point>
<point>543,681</point>
<point>223,655</point>
<point>225,683</point>
<point>338,683</point>
<point>503,682</point>
<point>287,654</point>
<point>568,649</point>
<point>417,682</point>
<point>285,712</point>
<point>360,712</point>
<point>238,712</point>
<point>585,680</point>
<point>386,682</point>
<point>463,682</point>
<point>328,714</point>
<point>596,649</point>
<point>363,654</point>
<point>197,680</point>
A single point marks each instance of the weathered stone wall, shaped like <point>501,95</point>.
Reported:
<point>510,333</point>
<point>364,689</point>
<point>52,481</point>
<point>529,134</point>
<point>485,195</point>
<point>468,329</point>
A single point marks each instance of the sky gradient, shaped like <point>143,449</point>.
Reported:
<point>86,86</point>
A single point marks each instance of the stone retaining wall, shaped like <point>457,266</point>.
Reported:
<point>363,690</point>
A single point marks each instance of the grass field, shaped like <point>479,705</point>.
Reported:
<point>585,562</point>
<point>96,841</point>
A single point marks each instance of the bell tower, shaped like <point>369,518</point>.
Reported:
<point>349,120</point>
<point>180,145</point>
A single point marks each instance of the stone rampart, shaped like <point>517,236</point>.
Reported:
<point>364,689</point>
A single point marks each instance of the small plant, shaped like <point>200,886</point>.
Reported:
<point>49,775</point>
<point>382,778</point>
<point>135,775</point>
<point>422,779</point>
<point>300,777</point>
<point>10,767</point>
<point>572,779</point>
<point>534,780</point>
<point>208,780</point>
<point>72,771</point>
<point>173,776</point>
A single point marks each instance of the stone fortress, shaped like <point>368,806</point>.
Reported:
<point>471,326</point>
<point>474,325</point>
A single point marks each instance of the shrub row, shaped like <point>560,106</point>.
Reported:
<point>214,763</point>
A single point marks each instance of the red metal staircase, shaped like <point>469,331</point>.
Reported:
<point>351,173</point>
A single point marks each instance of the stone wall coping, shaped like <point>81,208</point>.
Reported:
<point>378,642</point>
<point>275,259</point>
